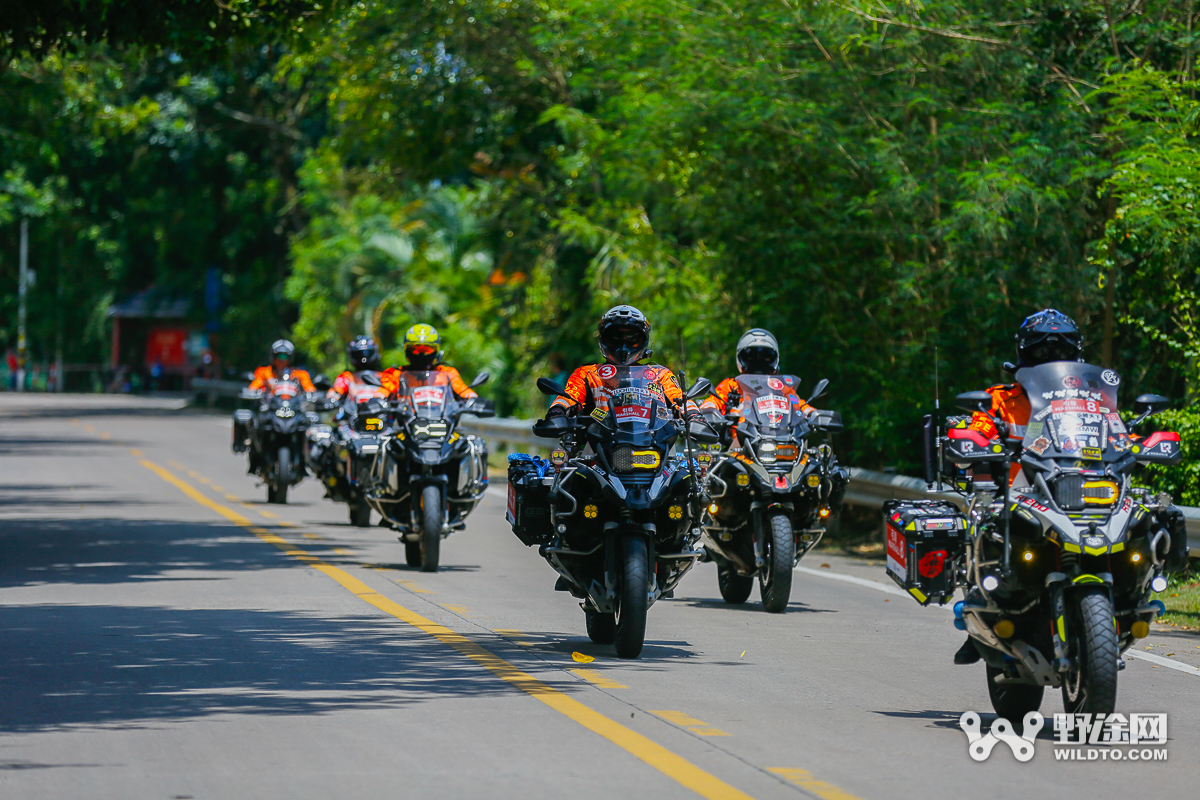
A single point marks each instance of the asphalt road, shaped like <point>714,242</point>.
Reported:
<point>166,634</point>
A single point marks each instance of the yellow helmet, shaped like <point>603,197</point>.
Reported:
<point>422,345</point>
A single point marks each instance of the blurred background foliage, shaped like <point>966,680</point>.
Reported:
<point>890,187</point>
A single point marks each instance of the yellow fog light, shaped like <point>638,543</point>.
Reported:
<point>814,480</point>
<point>713,508</point>
<point>743,479</point>
<point>1004,628</point>
<point>590,511</point>
<point>675,512</point>
<point>1140,629</point>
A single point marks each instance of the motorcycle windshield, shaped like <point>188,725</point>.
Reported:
<point>428,392</point>
<point>361,391</point>
<point>769,402</point>
<point>632,399</point>
<point>1073,412</point>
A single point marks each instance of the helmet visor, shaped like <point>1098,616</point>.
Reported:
<point>623,342</point>
<point>421,349</point>
<point>758,359</point>
<point>1051,348</point>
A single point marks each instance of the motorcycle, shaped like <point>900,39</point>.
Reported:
<point>1059,565</point>
<point>340,454</point>
<point>274,433</point>
<point>621,524</point>
<point>427,476</point>
<point>771,491</point>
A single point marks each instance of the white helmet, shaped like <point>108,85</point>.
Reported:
<point>758,352</point>
<point>283,349</point>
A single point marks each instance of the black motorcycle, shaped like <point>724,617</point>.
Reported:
<point>340,454</point>
<point>427,476</point>
<point>771,491</point>
<point>620,525</point>
<point>1060,564</point>
<point>274,432</point>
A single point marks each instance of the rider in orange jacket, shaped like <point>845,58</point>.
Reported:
<point>265,377</point>
<point>423,349</point>
<point>757,354</point>
<point>624,334</point>
<point>363,355</point>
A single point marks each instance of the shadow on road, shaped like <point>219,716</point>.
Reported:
<point>134,666</point>
<point>708,602</point>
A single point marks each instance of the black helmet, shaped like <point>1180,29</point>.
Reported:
<point>283,350</point>
<point>758,352</point>
<point>1046,336</point>
<point>363,353</point>
<point>624,335</point>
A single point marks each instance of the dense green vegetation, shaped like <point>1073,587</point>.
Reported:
<point>890,187</point>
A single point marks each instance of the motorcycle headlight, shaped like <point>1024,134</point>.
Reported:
<point>626,459</point>
<point>425,431</point>
<point>766,452</point>
<point>285,413</point>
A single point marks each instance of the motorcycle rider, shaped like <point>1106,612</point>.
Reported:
<point>363,356</point>
<point>624,334</point>
<point>757,354</point>
<point>266,376</point>
<point>423,350</point>
<point>1049,335</point>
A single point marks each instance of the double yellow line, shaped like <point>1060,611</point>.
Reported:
<point>655,755</point>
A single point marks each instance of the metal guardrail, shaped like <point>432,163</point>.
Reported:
<point>866,488</point>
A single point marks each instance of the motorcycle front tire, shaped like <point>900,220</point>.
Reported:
<point>431,527</point>
<point>1013,700</point>
<point>1091,683</point>
<point>632,596</point>
<point>775,578</point>
<point>283,477</point>
<point>360,513</point>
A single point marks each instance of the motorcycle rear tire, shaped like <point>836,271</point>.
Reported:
<point>734,588</point>
<point>633,599</point>
<point>412,554</point>
<point>360,513</point>
<point>601,627</point>
<point>775,578</point>
<point>1013,700</point>
<point>1091,683</point>
<point>431,527</point>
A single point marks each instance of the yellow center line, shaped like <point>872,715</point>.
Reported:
<point>805,780</point>
<point>597,679</point>
<point>696,726</point>
<point>105,435</point>
<point>232,498</point>
<point>283,523</point>
<point>646,750</point>
<point>133,451</point>
<point>268,514</point>
<point>451,607</point>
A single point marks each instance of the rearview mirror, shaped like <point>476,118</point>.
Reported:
<point>321,381</point>
<point>974,401</point>
<point>371,379</point>
<point>702,386</point>
<point>481,379</point>
<point>1148,404</point>
<point>552,388</point>
<point>820,390</point>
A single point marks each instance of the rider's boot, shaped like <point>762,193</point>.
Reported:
<point>967,654</point>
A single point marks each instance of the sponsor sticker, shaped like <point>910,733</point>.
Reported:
<point>428,394</point>
<point>772,404</point>
<point>625,413</point>
<point>1039,446</point>
<point>896,560</point>
<point>1110,377</point>
<point>1116,423</point>
<point>599,413</point>
<point>1071,382</point>
<point>607,371</point>
<point>1069,446</point>
<point>775,384</point>
<point>1091,453</point>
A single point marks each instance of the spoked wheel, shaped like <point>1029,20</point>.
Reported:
<point>431,527</point>
<point>1091,683</point>
<point>412,554</point>
<point>283,477</point>
<point>775,578</point>
<point>632,596</point>
<point>734,588</point>
<point>1013,700</point>
<point>601,627</point>
<point>360,513</point>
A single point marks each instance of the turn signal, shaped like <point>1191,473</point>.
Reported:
<point>824,512</point>
<point>713,508</point>
<point>1135,558</point>
<point>1004,628</point>
<point>1140,629</point>
<point>1027,555</point>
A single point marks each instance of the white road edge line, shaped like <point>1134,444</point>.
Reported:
<point>1161,661</point>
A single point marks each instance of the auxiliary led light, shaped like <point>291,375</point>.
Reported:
<point>990,583</point>
<point>1027,555</point>
<point>1135,557</point>
<point>1140,629</point>
<point>1159,584</point>
<point>713,508</point>
<point>1005,628</point>
<point>824,512</point>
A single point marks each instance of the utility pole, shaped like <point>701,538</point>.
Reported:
<point>21,289</point>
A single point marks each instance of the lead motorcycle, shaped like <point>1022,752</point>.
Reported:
<point>274,433</point>
<point>427,475</point>
<point>771,490</point>
<point>620,524</point>
<point>1061,565</point>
